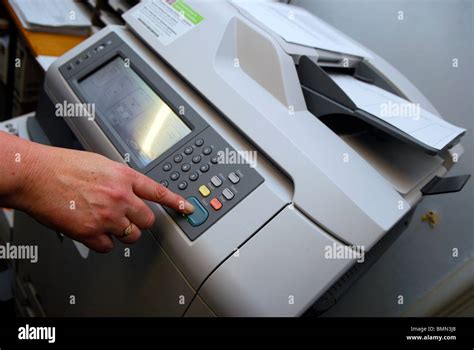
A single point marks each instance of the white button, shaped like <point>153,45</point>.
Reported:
<point>216,181</point>
<point>228,194</point>
<point>234,178</point>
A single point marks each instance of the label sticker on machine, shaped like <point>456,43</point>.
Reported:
<point>166,20</point>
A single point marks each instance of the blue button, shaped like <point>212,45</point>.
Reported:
<point>200,214</point>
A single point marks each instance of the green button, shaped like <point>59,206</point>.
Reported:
<point>200,214</point>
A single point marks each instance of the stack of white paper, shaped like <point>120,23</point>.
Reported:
<point>57,16</point>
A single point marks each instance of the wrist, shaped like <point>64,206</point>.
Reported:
<point>29,161</point>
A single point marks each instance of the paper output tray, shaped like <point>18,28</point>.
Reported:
<point>324,97</point>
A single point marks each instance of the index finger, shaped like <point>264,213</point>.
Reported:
<point>147,189</point>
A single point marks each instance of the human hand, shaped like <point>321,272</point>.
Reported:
<point>89,197</point>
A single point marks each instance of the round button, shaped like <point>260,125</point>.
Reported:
<point>196,159</point>
<point>214,160</point>
<point>204,168</point>
<point>164,183</point>
<point>178,158</point>
<point>199,142</point>
<point>193,176</point>
<point>207,150</point>
<point>167,167</point>
<point>182,185</point>
<point>188,150</point>
<point>186,167</point>
<point>174,176</point>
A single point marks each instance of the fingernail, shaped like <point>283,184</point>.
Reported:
<point>188,208</point>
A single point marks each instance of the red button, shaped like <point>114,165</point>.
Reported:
<point>215,204</point>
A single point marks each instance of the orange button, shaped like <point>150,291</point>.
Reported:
<point>215,204</point>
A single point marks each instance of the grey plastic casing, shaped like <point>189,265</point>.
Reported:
<point>266,257</point>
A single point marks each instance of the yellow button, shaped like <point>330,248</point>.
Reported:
<point>204,191</point>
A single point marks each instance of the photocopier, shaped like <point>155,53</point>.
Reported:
<point>177,93</point>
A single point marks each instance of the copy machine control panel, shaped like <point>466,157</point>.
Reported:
<point>200,172</point>
<point>159,134</point>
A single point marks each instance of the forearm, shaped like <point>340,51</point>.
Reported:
<point>81,194</point>
<point>18,158</point>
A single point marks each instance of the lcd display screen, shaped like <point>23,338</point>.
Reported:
<point>142,120</point>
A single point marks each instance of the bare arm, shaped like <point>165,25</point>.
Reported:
<point>81,194</point>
